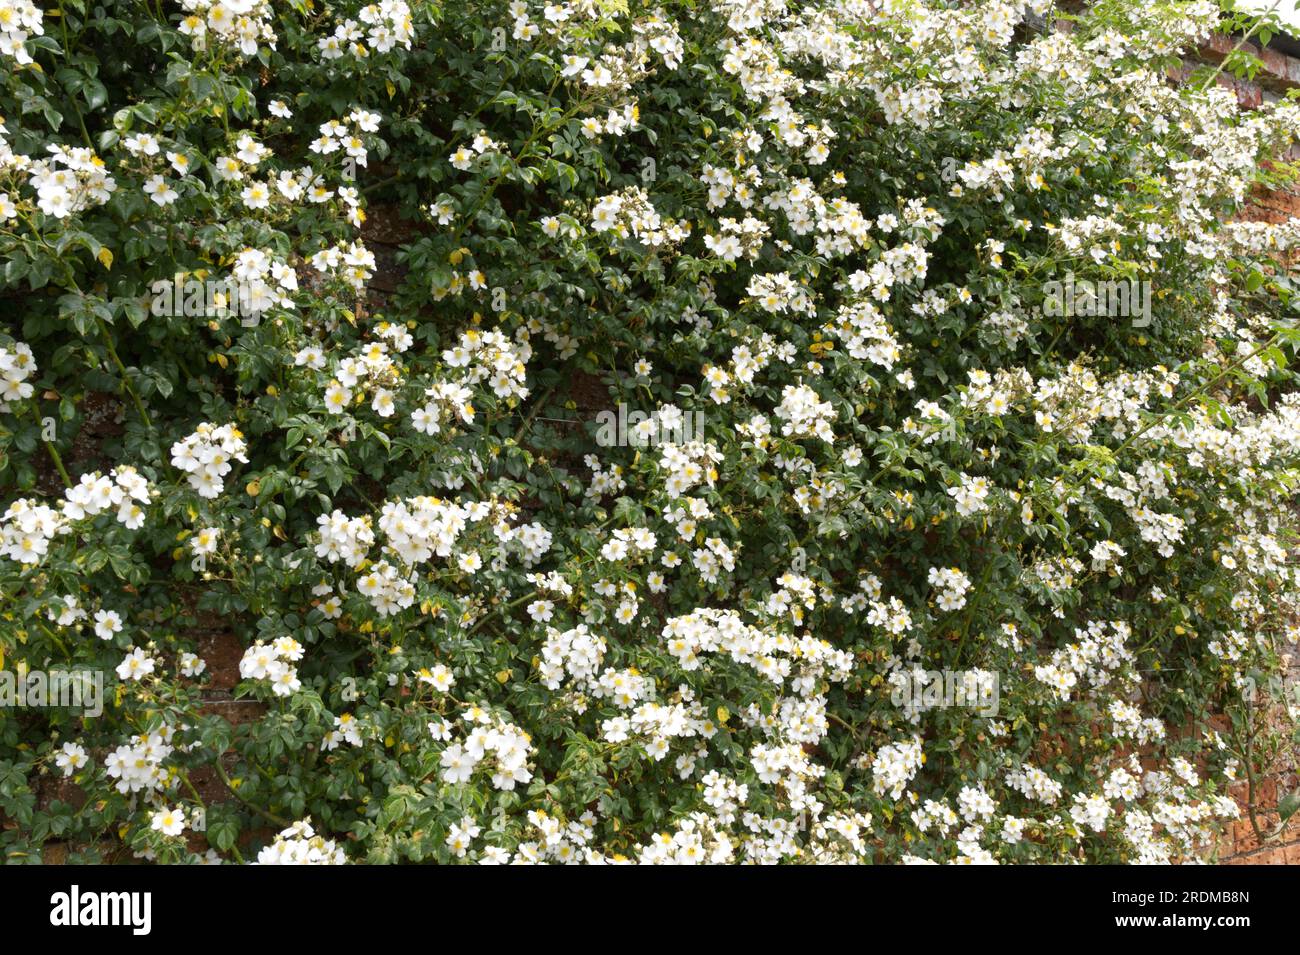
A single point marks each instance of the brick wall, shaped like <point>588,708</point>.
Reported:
<point>1257,838</point>
<point>1253,840</point>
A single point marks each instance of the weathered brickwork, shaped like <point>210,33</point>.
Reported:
<point>1256,841</point>
<point>1251,840</point>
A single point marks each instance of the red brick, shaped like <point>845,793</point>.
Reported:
<point>1217,47</point>
<point>222,652</point>
<point>1243,837</point>
<point>1274,62</point>
<point>235,712</point>
<point>1249,95</point>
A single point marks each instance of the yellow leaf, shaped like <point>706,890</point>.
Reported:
<point>105,258</point>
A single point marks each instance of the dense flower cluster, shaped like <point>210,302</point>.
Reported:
<point>28,526</point>
<point>17,365</point>
<point>299,844</point>
<point>207,456</point>
<point>641,432</point>
<point>274,663</point>
<point>243,24</point>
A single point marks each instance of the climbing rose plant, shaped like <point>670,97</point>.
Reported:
<point>696,431</point>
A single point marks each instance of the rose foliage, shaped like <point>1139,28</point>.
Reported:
<point>712,430</point>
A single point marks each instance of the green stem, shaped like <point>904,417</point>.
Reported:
<point>52,451</point>
<point>67,55</point>
<point>225,779</point>
<point>500,609</point>
<point>126,379</point>
<point>1240,43</point>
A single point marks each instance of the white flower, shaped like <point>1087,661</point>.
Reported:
<point>170,822</point>
<point>107,623</point>
<point>70,758</point>
<point>160,192</point>
<point>136,665</point>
